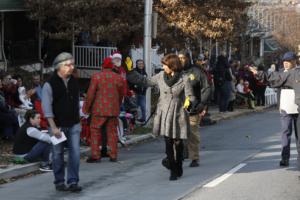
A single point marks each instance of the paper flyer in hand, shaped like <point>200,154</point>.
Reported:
<point>56,141</point>
<point>287,101</point>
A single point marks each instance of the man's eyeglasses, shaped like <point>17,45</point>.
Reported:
<point>69,65</point>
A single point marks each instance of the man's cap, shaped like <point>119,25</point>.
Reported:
<point>289,56</point>
<point>64,56</point>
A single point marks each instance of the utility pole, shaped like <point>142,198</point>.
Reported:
<point>148,49</point>
<point>41,60</point>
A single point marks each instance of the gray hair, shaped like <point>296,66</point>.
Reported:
<point>61,59</point>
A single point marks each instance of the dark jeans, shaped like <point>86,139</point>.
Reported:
<point>260,96</point>
<point>73,144</point>
<point>175,157</point>
<point>40,150</point>
<point>141,102</point>
<point>287,122</point>
<point>224,95</point>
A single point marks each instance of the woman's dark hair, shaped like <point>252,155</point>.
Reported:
<point>173,62</point>
<point>222,61</point>
<point>30,114</point>
<point>17,76</point>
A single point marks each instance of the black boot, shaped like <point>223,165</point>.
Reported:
<point>170,157</point>
<point>173,172</point>
<point>179,146</point>
<point>284,163</point>
<point>179,170</point>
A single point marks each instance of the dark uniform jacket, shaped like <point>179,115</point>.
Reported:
<point>201,87</point>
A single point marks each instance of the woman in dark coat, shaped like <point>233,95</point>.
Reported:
<point>222,80</point>
<point>171,118</point>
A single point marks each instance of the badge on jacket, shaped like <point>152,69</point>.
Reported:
<point>192,77</point>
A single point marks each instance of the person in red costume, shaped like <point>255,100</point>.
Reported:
<point>103,102</point>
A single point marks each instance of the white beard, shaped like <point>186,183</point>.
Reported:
<point>118,64</point>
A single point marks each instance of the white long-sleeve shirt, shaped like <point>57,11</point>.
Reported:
<point>240,88</point>
<point>37,134</point>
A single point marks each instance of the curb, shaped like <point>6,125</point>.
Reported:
<point>19,170</point>
<point>241,113</point>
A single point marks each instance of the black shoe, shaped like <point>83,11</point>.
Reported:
<point>194,163</point>
<point>74,188</point>
<point>92,160</point>
<point>46,168</point>
<point>113,160</point>
<point>173,172</point>
<point>61,188</point>
<point>284,163</point>
<point>165,163</point>
<point>173,176</point>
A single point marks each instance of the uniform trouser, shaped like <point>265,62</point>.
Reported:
<point>174,151</point>
<point>108,126</point>
<point>287,122</point>
<point>193,141</point>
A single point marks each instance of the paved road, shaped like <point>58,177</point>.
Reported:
<point>252,140</point>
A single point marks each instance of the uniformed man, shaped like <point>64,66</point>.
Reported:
<point>201,89</point>
<point>288,79</point>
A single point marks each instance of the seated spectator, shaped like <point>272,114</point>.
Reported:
<point>31,144</point>
<point>22,93</point>
<point>8,118</point>
<point>245,94</point>
<point>240,86</point>
<point>10,90</point>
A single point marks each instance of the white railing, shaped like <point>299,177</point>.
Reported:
<point>270,96</point>
<point>91,56</point>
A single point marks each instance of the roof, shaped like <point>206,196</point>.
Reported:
<point>12,5</point>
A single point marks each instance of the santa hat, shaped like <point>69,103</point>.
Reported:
<point>107,63</point>
<point>117,54</point>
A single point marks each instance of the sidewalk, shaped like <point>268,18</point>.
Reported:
<point>12,170</point>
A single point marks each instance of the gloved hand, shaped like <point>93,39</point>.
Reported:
<point>187,103</point>
<point>192,108</point>
<point>129,64</point>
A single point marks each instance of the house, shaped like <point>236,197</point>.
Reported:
<point>18,35</point>
<point>265,17</point>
